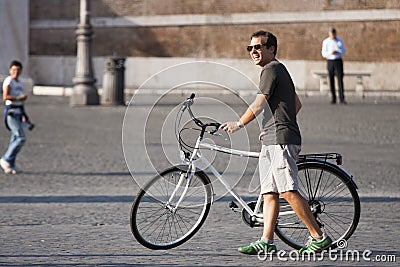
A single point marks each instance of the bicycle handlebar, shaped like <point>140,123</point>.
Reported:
<point>186,105</point>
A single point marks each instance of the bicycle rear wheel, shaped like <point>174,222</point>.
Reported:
<point>159,221</point>
<point>333,199</point>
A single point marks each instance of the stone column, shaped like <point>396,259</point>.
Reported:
<point>84,91</point>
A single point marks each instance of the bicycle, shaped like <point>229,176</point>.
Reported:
<point>174,204</point>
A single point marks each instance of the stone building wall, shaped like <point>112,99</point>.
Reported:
<point>365,40</point>
<point>157,34</point>
<point>56,9</point>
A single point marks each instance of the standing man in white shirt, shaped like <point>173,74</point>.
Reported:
<point>333,50</point>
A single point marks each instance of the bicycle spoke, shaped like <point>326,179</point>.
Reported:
<point>150,226</point>
<point>308,183</point>
<point>318,182</point>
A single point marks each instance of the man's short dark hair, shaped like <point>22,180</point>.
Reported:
<point>271,39</point>
<point>16,63</point>
<point>333,30</point>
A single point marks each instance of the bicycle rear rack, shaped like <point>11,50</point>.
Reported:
<point>323,156</point>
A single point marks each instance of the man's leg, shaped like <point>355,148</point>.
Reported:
<point>339,75</point>
<point>270,214</point>
<point>303,211</point>
<point>288,187</point>
<point>318,240</point>
<point>17,139</point>
<point>270,208</point>
<point>331,74</point>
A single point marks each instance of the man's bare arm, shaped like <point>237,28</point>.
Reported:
<point>251,113</point>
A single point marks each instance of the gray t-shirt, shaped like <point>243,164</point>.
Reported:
<point>279,119</point>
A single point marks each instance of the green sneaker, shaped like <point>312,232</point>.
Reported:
<point>316,246</point>
<point>257,247</point>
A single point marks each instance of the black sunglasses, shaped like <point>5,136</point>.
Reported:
<point>256,47</point>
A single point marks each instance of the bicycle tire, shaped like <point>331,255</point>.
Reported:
<point>153,221</point>
<point>333,198</point>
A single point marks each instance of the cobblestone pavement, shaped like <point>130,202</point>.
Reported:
<point>71,205</point>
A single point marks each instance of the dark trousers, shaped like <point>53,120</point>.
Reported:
<point>335,67</point>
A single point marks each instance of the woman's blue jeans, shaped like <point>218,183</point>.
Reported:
<point>17,138</point>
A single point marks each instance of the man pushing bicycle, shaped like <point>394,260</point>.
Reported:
<point>281,145</point>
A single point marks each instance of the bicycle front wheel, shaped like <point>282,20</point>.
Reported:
<point>171,208</point>
<point>333,200</point>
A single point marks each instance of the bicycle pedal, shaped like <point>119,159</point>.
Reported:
<point>233,206</point>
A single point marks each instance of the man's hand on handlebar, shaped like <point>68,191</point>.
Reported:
<point>231,126</point>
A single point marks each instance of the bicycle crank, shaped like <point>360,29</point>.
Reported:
<point>252,221</point>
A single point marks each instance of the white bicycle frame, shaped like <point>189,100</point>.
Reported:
<point>254,215</point>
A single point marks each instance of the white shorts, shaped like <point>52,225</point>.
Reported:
<point>278,169</point>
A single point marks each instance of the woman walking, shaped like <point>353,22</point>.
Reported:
<point>14,117</point>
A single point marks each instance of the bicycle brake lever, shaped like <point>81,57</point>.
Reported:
<point>216,125</point>
<point>214,133</point>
